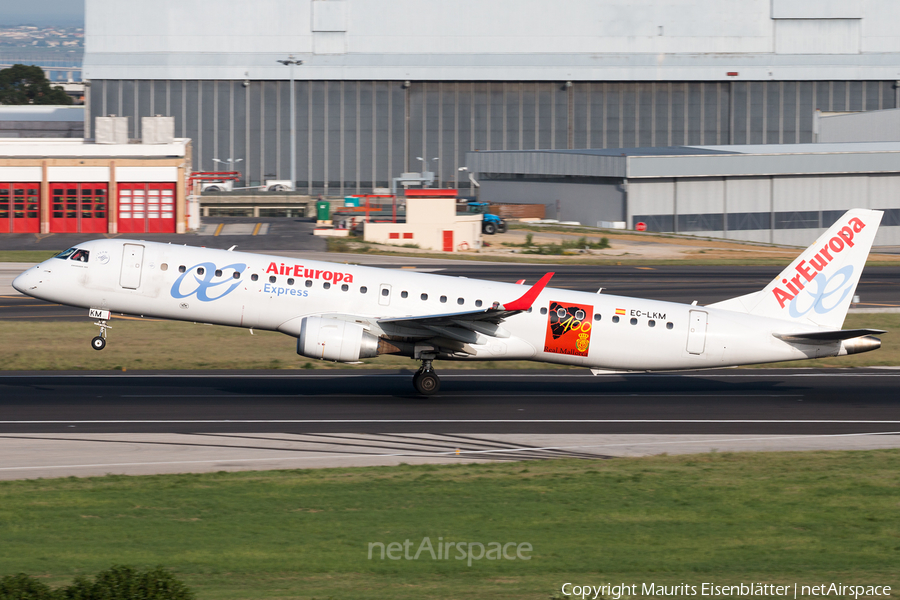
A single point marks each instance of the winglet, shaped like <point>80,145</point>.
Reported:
<point>528,298</point>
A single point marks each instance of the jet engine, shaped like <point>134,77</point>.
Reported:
<point>333,339</point>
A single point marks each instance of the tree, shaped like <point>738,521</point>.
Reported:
<point>24,84</point>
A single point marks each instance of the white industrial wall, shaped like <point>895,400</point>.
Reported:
<point>870,126</point>
<point>767,194</point>
<point>476,40</point>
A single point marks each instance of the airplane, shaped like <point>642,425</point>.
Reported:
<point>345,313</point>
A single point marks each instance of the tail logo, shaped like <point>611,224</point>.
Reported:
<point>811,271</point>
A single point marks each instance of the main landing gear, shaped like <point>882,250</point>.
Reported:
<point>99,342</point>
<point>426,380</point>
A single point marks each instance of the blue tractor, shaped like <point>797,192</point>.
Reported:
<point>490,224</point>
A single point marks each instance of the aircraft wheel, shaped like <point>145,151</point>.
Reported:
<point>98,343</point>
<point>427,383</point>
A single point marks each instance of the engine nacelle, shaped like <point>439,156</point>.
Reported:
<point>333,339</point>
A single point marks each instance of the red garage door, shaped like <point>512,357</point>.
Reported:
<point>78,208</point>
<point>20,208</point>
<point>146,208</point>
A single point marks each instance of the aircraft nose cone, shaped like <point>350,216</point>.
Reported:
<point>27,281</point>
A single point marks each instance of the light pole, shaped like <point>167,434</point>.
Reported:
<point>229,161</point>
<point>471,179</point>
<point>290,62</point>
<point>425,168</point>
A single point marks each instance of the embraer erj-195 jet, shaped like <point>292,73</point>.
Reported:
<point>345,313</point>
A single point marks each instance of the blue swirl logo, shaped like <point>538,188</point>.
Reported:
<point>820,300</point>
<point>205,279</point>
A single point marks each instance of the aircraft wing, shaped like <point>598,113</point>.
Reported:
<point>464,326</point>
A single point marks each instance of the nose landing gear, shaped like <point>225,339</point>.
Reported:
<point>426,380</point>
<point>99,342</point>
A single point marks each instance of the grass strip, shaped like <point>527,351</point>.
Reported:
<point>25,256</point>
<point>726,518</point>
<point>167,345</point>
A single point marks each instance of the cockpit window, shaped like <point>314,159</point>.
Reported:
<point>81,255</point>
<point>66,253</point>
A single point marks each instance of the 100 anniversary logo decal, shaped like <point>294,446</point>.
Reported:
<point>568,329</point>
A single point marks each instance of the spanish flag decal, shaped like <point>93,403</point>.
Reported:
<point>620,311</point>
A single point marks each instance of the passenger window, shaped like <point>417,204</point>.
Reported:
<point>308,283</point>
<point>460,301</point>
<point>579,315</point>
<point>218,272</point>
<point>363,290</point>
<point>597,317</point>
<point>478,304</point>
<point>271,279</point>
<point>615,319</point>
<point>385,292</point>
<point>424,296</point>
<point>633,321</point>
<point>404,294</point>
<point>443,298</point>
<point>561,313</point>
<point>326,285</point>
<point>345,287</point>
<point>544,310</point>
<point>651,323</point>
<point>200,270</point>
<point>182,269</point>
<point>529,310</point>
<point>290,281</point>
<point>254,277</point>
<point>669,326</point>
<point>164,267</point>
<point>236,275</point>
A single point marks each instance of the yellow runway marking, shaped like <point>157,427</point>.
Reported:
<point>256,229</point>
<point>29,305</point>
<point>219,229</point>
<point>645,268</point>
<point>4,318</point>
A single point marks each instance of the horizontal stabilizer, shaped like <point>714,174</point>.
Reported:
<point>822,337</point>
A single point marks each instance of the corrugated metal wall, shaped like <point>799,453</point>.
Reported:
<point>587,203</point>
<point>765,209</point>
<point>356,135</point>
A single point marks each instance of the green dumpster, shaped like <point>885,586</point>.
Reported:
<point>323,207</point>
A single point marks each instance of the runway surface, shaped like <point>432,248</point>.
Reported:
<point>61,424</point>
<point>879,288</point>
<point>534,402</point>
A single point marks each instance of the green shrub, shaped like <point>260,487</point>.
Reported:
<point>117,583</point>
<point>24,587</point>
<point>126,583</point>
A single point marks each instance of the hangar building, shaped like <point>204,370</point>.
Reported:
<point>390,87</point>
<point>759,193</point>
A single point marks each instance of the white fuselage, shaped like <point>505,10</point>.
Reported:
<point>615,332</point>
